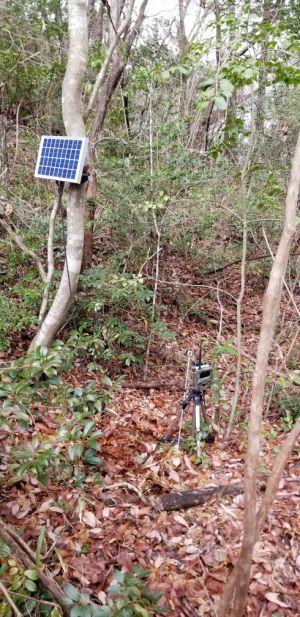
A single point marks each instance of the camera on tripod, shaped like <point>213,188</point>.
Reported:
<point>202,375</point>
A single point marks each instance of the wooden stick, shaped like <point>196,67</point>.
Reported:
<point>38,600</point>
<point>10,600</point>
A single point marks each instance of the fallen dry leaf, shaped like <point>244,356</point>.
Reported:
<point>273,597</point>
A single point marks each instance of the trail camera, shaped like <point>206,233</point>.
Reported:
<point>202,376</point>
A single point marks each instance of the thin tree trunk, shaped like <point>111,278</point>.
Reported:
<point>275,475</point>
<point>234,599</point>
<point>262,77</point>
<point>3,151</point>
<point>109,86</point>
<point>74,125</point>
<point>245,196</point>
<point>183,43</point>
<point>89,218</point>
<point>111,82</point>
<point>50,258</point>
<point>239,342</point>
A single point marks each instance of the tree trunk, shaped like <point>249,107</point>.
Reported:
<point>107,86</point>
<point>74,125</point>
<point>234,599</point>
<point>111,82</point>
<point>107,91</point>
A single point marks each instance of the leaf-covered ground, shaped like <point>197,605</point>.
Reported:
<point>112,522</point>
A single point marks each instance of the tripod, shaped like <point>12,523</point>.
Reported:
<point>201,380</point>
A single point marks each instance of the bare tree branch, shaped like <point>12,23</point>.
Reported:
<point>113,44</point>
<point>16,238</point>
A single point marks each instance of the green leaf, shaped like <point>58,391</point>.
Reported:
<point>80,611</point>
<point>55,612</point>
<point>91,459</point>
<point>32,574</point>
<point>56,381</point>
<point>93,444</point>
<point>101,611</point>
<point>206,84</point>
<point>71,592</point>
<point>118,576</point>
<point>249,73</point>
<point>75,451</point>
<point>78,392</point>
<point>39,546</point>
<point>141,572</point>
<point>140,610</point>
<point>30,585</point>
<point>220,102</point>
<point>226,87</point>
<point>16,582</point>
<point>88,427</point>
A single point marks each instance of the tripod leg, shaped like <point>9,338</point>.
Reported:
<point>203,406</point>
<point>183,408</point>
<point>197,427</point>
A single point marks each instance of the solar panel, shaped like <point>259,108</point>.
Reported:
<point>61,158</point>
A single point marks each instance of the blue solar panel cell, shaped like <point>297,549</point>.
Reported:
<point>61,158</point>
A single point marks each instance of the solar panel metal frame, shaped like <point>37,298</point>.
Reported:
<point>62,176</point>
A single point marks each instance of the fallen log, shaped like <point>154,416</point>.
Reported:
<point>190,499</point>
<point>152,385</point>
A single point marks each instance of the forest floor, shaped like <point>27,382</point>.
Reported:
<point>189,552</point>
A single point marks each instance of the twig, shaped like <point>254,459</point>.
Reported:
<point>221,314</point>
<point>38,600</point>
<point>131,487</point>
<point>20,540</point>
<point>10,600</point>
<point>181,284</point>
<point>283,279</point>
<point>17,140</point>
<point>292,345</point>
